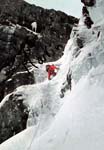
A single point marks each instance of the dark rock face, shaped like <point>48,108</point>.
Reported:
<point>79,42</point>
<point>89,3</point>
<point>12,59</point>
<point>14,118</point>
<point>54,26</point>
<point>85,12</point>
<point>87,20</point>
<point>19,47</point>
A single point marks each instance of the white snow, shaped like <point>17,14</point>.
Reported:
<point>34,26</point>
<point>76,121</point>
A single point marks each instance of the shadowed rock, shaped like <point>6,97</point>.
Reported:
<point>89,3</point>
<point>13,117</point>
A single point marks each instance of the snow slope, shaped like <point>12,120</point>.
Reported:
<point>74,122</point>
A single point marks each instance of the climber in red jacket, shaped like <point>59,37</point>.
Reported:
<point>52,71</point>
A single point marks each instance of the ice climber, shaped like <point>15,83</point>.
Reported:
<point>52,71</point>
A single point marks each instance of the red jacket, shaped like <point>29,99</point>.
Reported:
<point>51,71</point>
